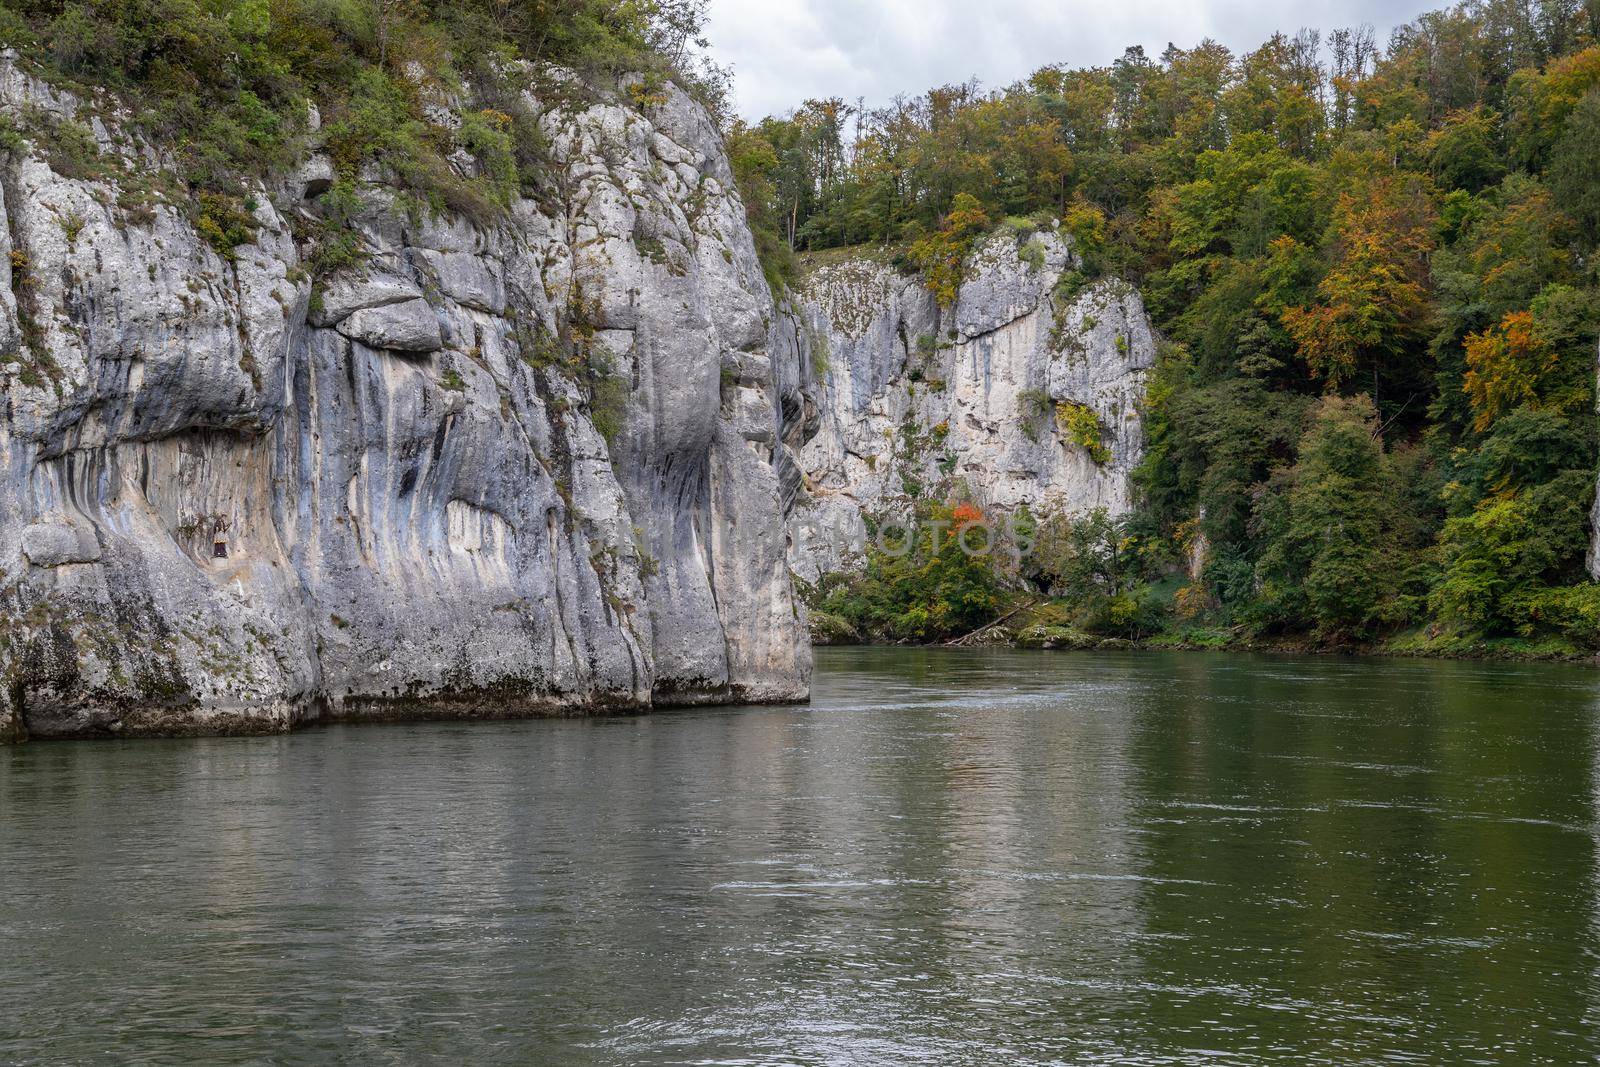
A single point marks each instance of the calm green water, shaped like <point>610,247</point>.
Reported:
<point>957,857</point>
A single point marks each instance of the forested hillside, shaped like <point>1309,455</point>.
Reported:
<point>1374,414</point>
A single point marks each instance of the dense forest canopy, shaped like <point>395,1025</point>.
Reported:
<point>1374,268</point>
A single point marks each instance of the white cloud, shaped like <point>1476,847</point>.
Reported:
<point>784,51</point>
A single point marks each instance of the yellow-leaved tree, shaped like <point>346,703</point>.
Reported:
<point>942,256</point>
<point>1506,367</point>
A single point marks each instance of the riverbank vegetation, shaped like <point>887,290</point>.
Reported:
<point>1373,419</point>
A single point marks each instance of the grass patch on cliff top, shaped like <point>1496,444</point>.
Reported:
<point>238,89</point>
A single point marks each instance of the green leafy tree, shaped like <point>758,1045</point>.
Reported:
<point>1327,560</point>
<point>927,578</point>
<point>1575,164</point>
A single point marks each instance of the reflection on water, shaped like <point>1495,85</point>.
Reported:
<point>951,857</point>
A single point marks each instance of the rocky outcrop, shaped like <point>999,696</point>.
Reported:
<point>522,465</point>
<point>1026,391</point>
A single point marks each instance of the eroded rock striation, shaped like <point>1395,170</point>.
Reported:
<point>1025,391</point>
<point>531,464</point>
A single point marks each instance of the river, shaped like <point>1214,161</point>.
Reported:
<point>950,857</point>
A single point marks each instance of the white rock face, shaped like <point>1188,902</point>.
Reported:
<point>917,400</point>
<point>410,326</point>
<point>233,498</point>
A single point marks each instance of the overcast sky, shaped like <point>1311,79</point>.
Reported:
<point>784,51</point>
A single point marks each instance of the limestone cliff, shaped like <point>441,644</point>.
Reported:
<point>1026,391</point>
<point>237,493</point>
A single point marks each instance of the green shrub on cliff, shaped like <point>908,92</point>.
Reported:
<point>228,87</point>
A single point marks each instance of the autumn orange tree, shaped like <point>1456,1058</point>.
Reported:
<point>1371,308</point>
